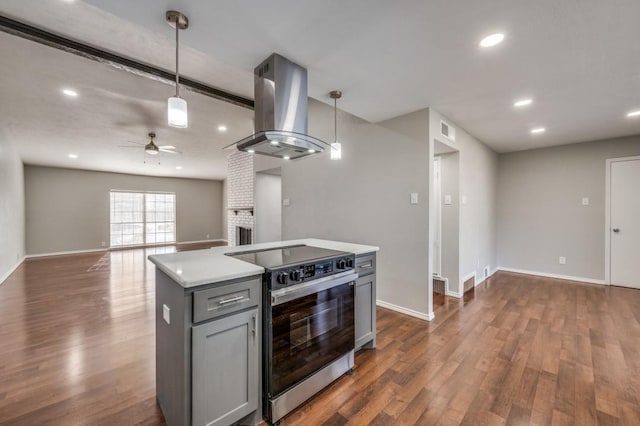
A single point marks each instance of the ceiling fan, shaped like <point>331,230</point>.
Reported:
<point>152,149</point>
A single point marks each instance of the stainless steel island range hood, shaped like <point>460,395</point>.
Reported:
<point>281,112</point>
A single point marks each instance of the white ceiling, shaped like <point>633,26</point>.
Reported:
<point>578,59</point>
<point>113,107</point>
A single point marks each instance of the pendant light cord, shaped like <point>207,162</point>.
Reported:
<point>177,58</point>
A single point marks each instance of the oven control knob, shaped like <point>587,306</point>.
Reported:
<point>349,263</point>
<point>294,275</point>
<point>282,278</point>
<point>341,264</point>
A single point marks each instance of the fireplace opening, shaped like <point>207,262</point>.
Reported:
<point>243,236</point>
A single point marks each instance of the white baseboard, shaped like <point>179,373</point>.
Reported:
<point>557,276</point>
<point>217,240</point>
<point>62,253</point>
<point>406,311</point>
<point>11,271</point>
<point>453,294</point>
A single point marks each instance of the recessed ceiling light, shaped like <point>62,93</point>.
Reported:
<point>523,102</point>
<point>178,167</point>
<point>286,157</point>
<point>251,151</point>
<point>311,151</point>
<point>275,143</point>
<point>70,93</point>
<point>492,40</point>
<point>73,156</point>
<point>538,130</point>
<point>222,128</point>
<point>634,114</point>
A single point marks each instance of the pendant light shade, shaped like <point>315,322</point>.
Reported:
<point>336,147</point>
<point>176,106</point>
<point>336,151</point>
<point>177,112</point>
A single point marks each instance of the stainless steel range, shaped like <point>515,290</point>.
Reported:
<point>308,322</point>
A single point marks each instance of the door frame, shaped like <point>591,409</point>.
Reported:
<point>607,215</point>
<point>437,190</point>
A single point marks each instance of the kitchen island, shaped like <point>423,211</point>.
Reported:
<point>208,329</point>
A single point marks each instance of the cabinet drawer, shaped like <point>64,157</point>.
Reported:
<point>366,264</point>
<point>216,301</point>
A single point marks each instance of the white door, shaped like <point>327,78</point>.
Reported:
<point>625,223</point>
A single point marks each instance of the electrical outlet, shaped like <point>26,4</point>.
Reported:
<point>208,236</point>
<point>166,314</point>
<point>103,244</point>
<point>562,260</point>
<point>585,201</point>
<point>414,198</point>
<point>286,202</point>
<point>447,200</point>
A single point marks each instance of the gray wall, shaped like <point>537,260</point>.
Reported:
<point>364,198</point>
<point>68,210</point>
<point>12,228</point>
<point>268,205</point>
<point>450,232</point>
<point>540,214</point>
<point>478,168</point>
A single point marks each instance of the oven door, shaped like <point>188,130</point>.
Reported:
<point>311,325</point>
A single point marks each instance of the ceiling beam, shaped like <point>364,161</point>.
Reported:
<point>29,32</point>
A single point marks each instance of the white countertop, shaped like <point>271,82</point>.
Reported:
<point>198,267</point>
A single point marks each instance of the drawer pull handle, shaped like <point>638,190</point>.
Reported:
<point>233,299</point>
<point>366,265</point>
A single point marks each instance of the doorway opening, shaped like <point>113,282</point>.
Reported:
<point>447,220</point>
<point>268,206</point>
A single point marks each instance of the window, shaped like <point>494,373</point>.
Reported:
<point>139,218</point>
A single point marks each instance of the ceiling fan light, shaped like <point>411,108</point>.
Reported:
<point>151,151</point>
<point>177,112</point>
<point>336,151</point>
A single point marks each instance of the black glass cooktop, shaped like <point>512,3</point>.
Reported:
<point>287,256</point>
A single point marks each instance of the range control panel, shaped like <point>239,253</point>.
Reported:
<point>291,275</point>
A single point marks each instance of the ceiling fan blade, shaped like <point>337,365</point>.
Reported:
<point>137,143</point>
<point>166,147</point>
<point>169,151</point>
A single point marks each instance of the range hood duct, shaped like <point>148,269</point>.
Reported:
<point>281,112</point>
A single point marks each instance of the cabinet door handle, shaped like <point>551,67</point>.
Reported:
<point>255,326</point>
<point>366,265</point>
<point>231,300</point>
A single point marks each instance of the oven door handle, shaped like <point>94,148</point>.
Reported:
<point>287,294</point>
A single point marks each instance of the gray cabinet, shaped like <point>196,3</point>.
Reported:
<point>208,346</point>
<point>225,369</point>
<point>365,302</point>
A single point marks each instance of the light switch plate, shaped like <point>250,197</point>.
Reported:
<point>447,200</point>
<point>414,198</point>
<point>286,202</point>
<point>464,201</point>
<point>166,314</point>
<point>562,260</point>
<point>585,201</point>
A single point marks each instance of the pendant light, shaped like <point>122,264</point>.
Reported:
<point>336,147</point>
<point>176,106</point>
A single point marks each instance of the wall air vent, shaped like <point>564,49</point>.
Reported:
<point>447,131</point>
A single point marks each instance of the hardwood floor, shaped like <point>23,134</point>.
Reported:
<point>77,347</point>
